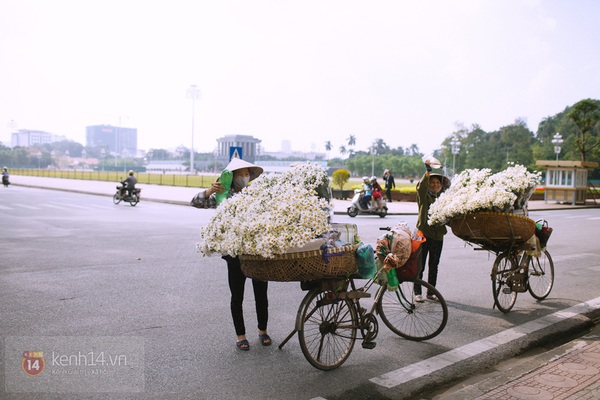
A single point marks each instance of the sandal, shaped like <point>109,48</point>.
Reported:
<point>243,345</point>
<point>265,339</point>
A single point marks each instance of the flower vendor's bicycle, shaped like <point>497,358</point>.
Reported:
<point>331,316</point>
<point>522,262</point>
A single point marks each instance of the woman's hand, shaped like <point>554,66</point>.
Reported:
<point>215,187</point>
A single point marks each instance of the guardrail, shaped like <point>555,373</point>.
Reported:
<point>117,176</point>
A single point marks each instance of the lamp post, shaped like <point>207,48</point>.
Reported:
<point>558,141</point>
<point>215,154</point>
<point>193,93</point>
<point>373,151</point>
<point>455,143</point>
<point>102,155</point>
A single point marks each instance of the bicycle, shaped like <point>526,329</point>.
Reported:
<point>519,266</point>
<point>330,316</point>
<point>519,270</point>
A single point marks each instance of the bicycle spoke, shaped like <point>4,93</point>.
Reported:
<point>328,329</point>
<point>410,319</point>
<point>541,275</point>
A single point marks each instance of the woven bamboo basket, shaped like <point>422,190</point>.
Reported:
<point>493,229</point>
<point>302,266</point>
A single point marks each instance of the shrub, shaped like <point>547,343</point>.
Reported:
<point>340,177</point>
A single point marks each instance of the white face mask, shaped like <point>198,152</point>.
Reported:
<point>241,181</point>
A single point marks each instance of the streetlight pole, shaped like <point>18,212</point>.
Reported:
<point>373,159</point>
<point>194,93</point>
<point>455,143</point>
<point>102,155</point>
<point>558,141</point>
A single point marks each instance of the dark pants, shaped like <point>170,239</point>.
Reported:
<point>433,248</point>
<point>364,201</point>
<point>237,283</point>
<point>388,194</point>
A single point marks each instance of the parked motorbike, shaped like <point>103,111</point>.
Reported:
<point>123,195</point>
<point>357,209</point>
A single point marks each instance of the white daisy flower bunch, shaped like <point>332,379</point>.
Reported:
<point>475,190</point>
<point>271,215</point>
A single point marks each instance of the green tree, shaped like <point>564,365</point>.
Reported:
<point>586,116</point>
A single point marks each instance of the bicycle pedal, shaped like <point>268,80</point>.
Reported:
<point>368,345</point>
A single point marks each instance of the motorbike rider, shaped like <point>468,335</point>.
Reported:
<point>5,181</point>
<point>128,184</point>
<point>367,192</point>
<point>377,194</point>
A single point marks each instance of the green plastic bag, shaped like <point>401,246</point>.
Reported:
<point>366,261</point>
<point>225,179</point>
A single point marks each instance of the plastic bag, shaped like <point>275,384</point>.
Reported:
<point>394,248</point>
<point>366,261</point>
<point>225,179</point>
<point>410,269</point>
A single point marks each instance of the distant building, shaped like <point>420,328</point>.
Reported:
<point>248,145</point>
<point>26,138</point>
<point>117,139</point>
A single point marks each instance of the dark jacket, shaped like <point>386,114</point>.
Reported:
<point>424,200</point>
<point>130,182</point>
<point>389,182</point>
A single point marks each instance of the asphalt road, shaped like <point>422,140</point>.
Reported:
<point>76,265</point>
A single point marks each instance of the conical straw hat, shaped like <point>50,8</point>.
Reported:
<point>237,163</point>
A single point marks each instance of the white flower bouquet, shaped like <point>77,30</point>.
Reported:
<point>475,190</point>
<point>271,215</point>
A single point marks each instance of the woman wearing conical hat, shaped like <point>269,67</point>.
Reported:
<point>429,188</point>
<point>243,173</point>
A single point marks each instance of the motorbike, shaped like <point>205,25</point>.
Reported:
<point>356,207</point>
<point>123,195</point>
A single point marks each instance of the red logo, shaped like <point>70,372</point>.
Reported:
<point>33,362</point>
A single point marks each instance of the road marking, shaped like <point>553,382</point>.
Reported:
<point>27,207</point>
<point>426,367</point>
<point>55,206</point>
<point>5,208</point>
<point>80,207</point>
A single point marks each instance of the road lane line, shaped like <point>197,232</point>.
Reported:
<point>27,207</point>
<point>425,367</point>
<point>57,207</point>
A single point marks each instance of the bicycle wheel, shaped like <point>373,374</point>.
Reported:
<point>327,329</point>
<point>541,275</point>
<point>410,319</point>
<point>504,296</point>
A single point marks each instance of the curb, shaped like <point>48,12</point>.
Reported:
<point>440,372</point>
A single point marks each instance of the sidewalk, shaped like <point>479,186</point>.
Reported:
<point>568,371</point>
<point>183,195</point>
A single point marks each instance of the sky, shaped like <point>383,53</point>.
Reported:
<point>307,72</point>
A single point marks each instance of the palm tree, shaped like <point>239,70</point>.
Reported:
<point>328,147</point>
<point>351,143</point>
<point>351,140</point>
<point>342,152</point>
<point>413,149</point>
